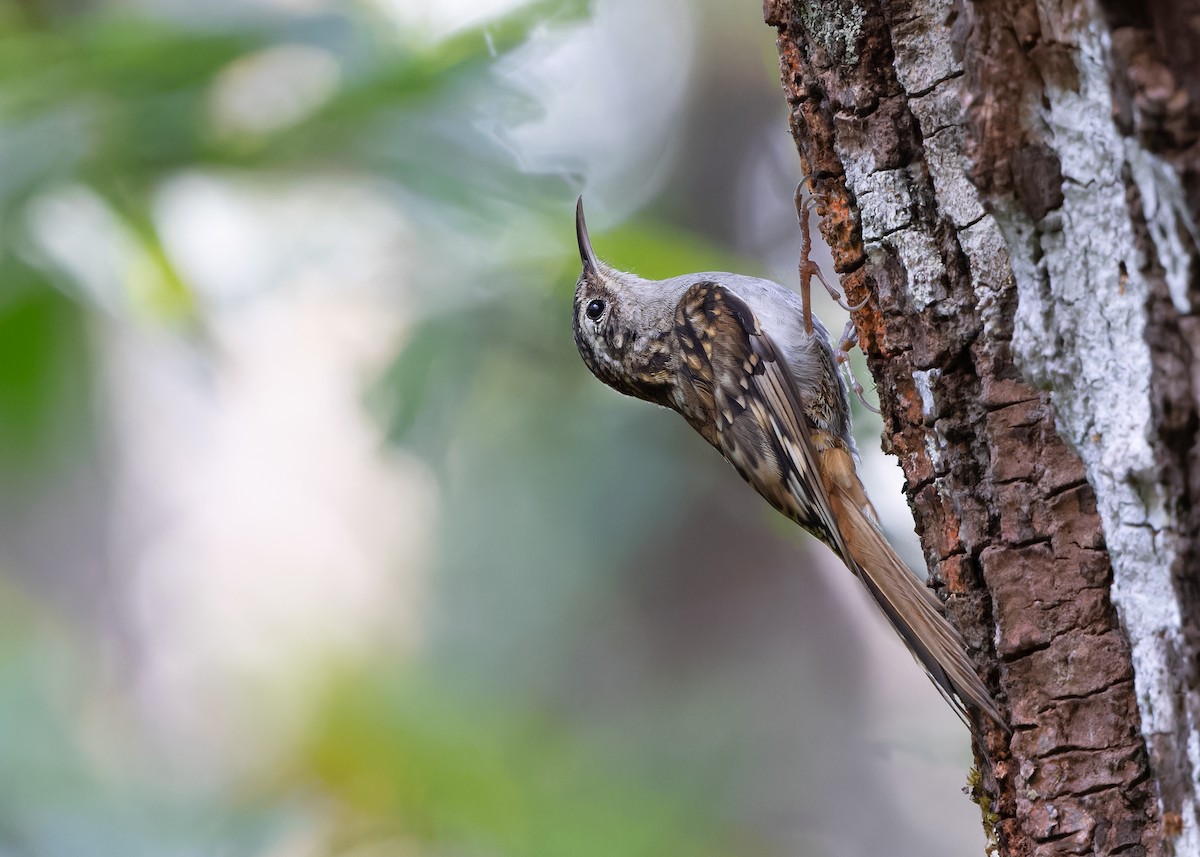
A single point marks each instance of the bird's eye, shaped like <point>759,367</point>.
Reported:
<point>595,309</point>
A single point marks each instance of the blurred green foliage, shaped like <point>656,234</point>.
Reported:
<point>120,103</point>
<point>473,753</point>
<point>457,769</point>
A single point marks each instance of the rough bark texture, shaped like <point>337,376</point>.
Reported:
<point>1156,107</point>
<point>1013,184</point>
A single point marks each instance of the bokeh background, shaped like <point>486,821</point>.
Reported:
<point>316,538</point>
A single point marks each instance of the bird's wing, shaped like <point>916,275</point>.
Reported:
<point>745,405</point>
<point>737,392</point>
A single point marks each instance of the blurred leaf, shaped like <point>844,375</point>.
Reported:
<point>136,88</point>
<point>44,373</point>
<point>157,291</point>
<point>426,383</point>
<point>130,59</point>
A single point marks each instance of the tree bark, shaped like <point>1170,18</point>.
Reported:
<point>1014,185</point>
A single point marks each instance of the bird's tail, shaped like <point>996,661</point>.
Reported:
<point>909,605</point>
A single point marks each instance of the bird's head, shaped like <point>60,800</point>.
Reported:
<point>622,323</point>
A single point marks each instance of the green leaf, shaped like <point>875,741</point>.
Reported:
<point>44,370</point>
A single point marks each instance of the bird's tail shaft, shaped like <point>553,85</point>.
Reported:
<point>911,607</point>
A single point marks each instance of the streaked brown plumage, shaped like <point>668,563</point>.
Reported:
<point>733,356</point>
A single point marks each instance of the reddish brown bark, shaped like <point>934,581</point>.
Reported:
<point>1007,518</point>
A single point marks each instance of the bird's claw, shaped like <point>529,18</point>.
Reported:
<point>849,339</point>
<point>810,269</point>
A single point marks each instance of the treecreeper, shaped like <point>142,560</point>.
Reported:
<point>746,364</point>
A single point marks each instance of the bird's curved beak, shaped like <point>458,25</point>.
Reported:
<point>586,254</point>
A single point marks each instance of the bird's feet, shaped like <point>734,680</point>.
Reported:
<point>809,268</point>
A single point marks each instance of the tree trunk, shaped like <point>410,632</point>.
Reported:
<point>1014,186</point>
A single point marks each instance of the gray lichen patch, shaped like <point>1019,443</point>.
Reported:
<point>922,262</point>
<point>991,268</point>
<point>939,113</point>
<point>834,26</point>
<point>884,203</point>
<point>1171,226</point>
<point>956,195</point>
<point>924,56</point>
<point>923,382</point>
<point>938,109</point>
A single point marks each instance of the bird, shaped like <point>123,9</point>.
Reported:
<point>746,365</point>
